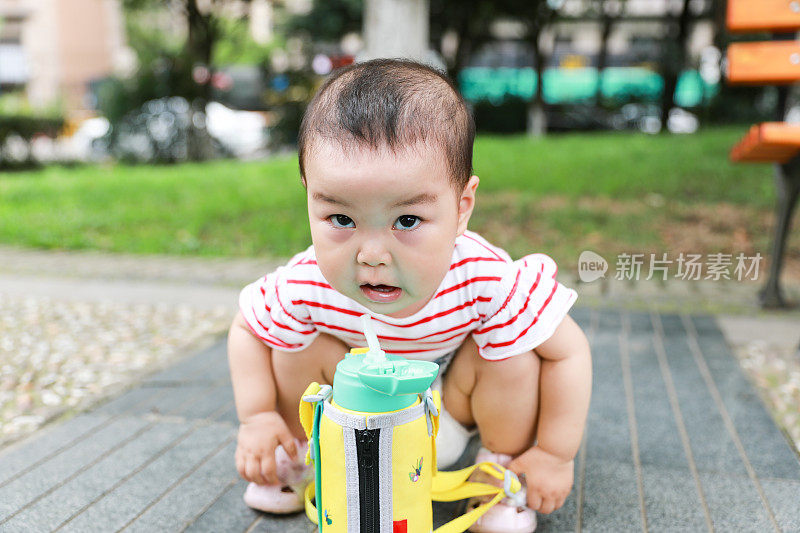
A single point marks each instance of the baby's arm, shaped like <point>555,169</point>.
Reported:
<point>261,428</point>
<point>565,388</point>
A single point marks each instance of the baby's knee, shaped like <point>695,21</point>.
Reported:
<point>518,369</point>
<point>316,362</point>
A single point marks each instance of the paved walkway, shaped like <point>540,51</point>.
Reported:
<point>677,440</point>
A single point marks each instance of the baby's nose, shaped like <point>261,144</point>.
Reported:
<point>373,253</point>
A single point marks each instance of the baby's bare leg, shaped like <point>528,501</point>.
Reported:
<point>500,397</point>
<point>295,371</point>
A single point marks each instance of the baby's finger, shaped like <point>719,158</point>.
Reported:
<point>289,444</point>
<point>547,506</point>
<point>253,471</point>
<point>268,469</point>
<point>534,501</point>
<point>240,465</point>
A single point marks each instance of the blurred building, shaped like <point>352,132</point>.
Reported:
<point>52,49</point>
<point>637,33</point>
<point>636,37</point>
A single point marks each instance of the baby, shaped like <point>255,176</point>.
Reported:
<point>385,153</point>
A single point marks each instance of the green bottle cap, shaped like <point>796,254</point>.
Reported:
<point>371,381</point>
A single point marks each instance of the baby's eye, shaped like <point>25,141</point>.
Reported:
<point>341,221</point>
<point>407,222</point>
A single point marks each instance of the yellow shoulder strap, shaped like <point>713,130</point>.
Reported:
<point>311,510</point>
<point>307,415</point>
<point>452,486</point>
<point>437,400</point>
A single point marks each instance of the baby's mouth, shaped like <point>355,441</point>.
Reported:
<point>381,293</point>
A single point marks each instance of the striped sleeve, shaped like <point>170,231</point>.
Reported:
<point>267,307</point>
<point>526,309</point>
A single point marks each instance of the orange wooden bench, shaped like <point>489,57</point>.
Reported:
<point>769,63</point>
<point>763,15</point>
<point>770,142</point>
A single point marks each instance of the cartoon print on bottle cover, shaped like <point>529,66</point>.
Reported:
<point>414,476</point>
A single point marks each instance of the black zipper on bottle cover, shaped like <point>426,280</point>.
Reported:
<point>368,484</point>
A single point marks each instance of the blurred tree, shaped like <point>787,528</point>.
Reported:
<point>203,30</point>
<point>537,16</point>
<point>609,12</point>
<point>236,45</point>
<point>179,64</point>
<point>673,57</point>
<point>469,22</point>
<point>329,20</point>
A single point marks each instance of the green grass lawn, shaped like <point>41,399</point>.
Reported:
<point>561,194</point>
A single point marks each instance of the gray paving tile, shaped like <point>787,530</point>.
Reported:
<point>706,326</point>
<point>581,315</point>
<point>611,496</point>
<point>193,367</point>
<point>171,400</point>
<point>607,422</point>
<point>612,500</point>
<point>21,456</point>
<point>784,498</point>
<point>197,389</point>
<point>639,325</point>
<point>767,448</point>
<point>734,503</point>
<point>659,440</point>
<point>219,368</point>
<point>211,401</point>
<point>124,503</point>
<point>701,416</point>
<point>671,500</point>
<point>184,502</point>
<point>229,417</point>
<point>443,512</point>
<point>24,489</point>
<point>57,507</point>
<point>608,319</point>
<point>127,400</point>
<point>290,524</point>
<point>228,513</point>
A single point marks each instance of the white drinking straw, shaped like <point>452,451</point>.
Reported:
<point>375,353</point>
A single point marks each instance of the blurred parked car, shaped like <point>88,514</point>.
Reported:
<point>243,133</point>
<point>173,130</point>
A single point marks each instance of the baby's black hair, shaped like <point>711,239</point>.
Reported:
<point>392,103</point>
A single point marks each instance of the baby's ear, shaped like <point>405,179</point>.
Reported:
<point>467,203</point>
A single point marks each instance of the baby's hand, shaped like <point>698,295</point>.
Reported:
<point>549,478</point>
<point>259,435</point>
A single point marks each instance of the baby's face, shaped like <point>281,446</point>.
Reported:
<point>384,225</point>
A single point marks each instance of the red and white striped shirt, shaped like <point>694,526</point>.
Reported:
<point>509,307</point>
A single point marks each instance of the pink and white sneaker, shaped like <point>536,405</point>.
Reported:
<point>506,516</point>
<point>286,497</point>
